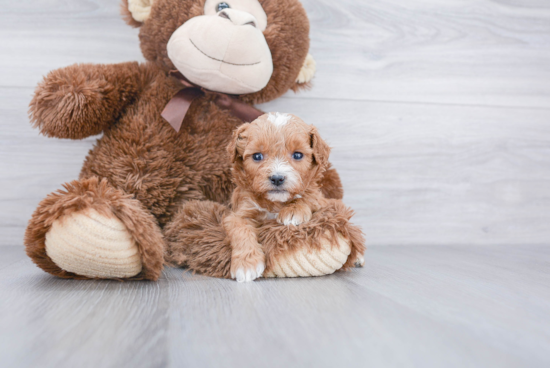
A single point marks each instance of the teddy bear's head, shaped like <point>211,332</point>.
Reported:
<point>257,49</point>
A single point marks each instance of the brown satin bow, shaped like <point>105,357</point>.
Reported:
<point>177,108</point>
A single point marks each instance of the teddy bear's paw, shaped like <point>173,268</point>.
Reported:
<point>359,261</point>
<point>306,262</point>
<point>90,244</point>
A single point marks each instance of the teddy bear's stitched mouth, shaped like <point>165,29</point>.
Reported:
<point>223,61</point>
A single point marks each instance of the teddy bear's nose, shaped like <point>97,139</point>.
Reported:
<point>238,17</point>
<point>277,180</point>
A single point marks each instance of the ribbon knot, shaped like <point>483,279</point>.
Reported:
<point>177,107</point>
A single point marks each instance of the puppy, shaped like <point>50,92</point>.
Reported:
<point>277,162</point>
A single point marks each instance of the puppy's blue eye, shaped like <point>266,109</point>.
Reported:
<point>222,6</point>
<point>257,157</point>
<point>297,155</point>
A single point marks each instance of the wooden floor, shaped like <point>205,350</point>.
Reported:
<point>411,306</point>
<point>439,116</point>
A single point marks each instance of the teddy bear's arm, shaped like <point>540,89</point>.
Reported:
<point>83,99</point>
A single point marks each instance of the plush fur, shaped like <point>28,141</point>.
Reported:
<point>196,238</point>
<point>107,201</point>
<point>143,170</point>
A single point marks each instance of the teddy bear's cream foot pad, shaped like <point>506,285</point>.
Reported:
<point>92,245</point>
<point>304,262</point>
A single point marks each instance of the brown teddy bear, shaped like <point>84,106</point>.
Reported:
<point>163,145</point>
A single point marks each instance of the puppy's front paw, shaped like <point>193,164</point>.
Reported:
<point>249,274</point>
<point>294,216</point>
<point>246,271</point>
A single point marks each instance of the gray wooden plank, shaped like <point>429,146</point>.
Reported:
<point>483,53</point>
<point>428,306</point>
<point>10,255</point>
<point>486,52</point>
<point>51,322</point>
<point>40,36</point>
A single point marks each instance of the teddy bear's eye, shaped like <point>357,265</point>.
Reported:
<point>222,6</point>
<point>297,155</point>
<point>257,157</point>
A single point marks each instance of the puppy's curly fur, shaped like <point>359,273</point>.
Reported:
<point>268,219</point>
<point>278,161</point>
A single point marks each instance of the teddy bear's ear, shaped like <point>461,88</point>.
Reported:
<point>135,12</point>
<point>308,70</point>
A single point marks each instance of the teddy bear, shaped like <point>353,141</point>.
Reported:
<point>159,168</point>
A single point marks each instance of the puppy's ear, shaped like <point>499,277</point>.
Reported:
<point>236,146</point>
<point>321,150</point>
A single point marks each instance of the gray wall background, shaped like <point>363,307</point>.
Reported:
<point>438,112</point>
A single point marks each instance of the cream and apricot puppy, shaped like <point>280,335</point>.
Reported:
<point>277,162</point>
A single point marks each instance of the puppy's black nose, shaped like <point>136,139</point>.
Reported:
<point>277,180</point>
